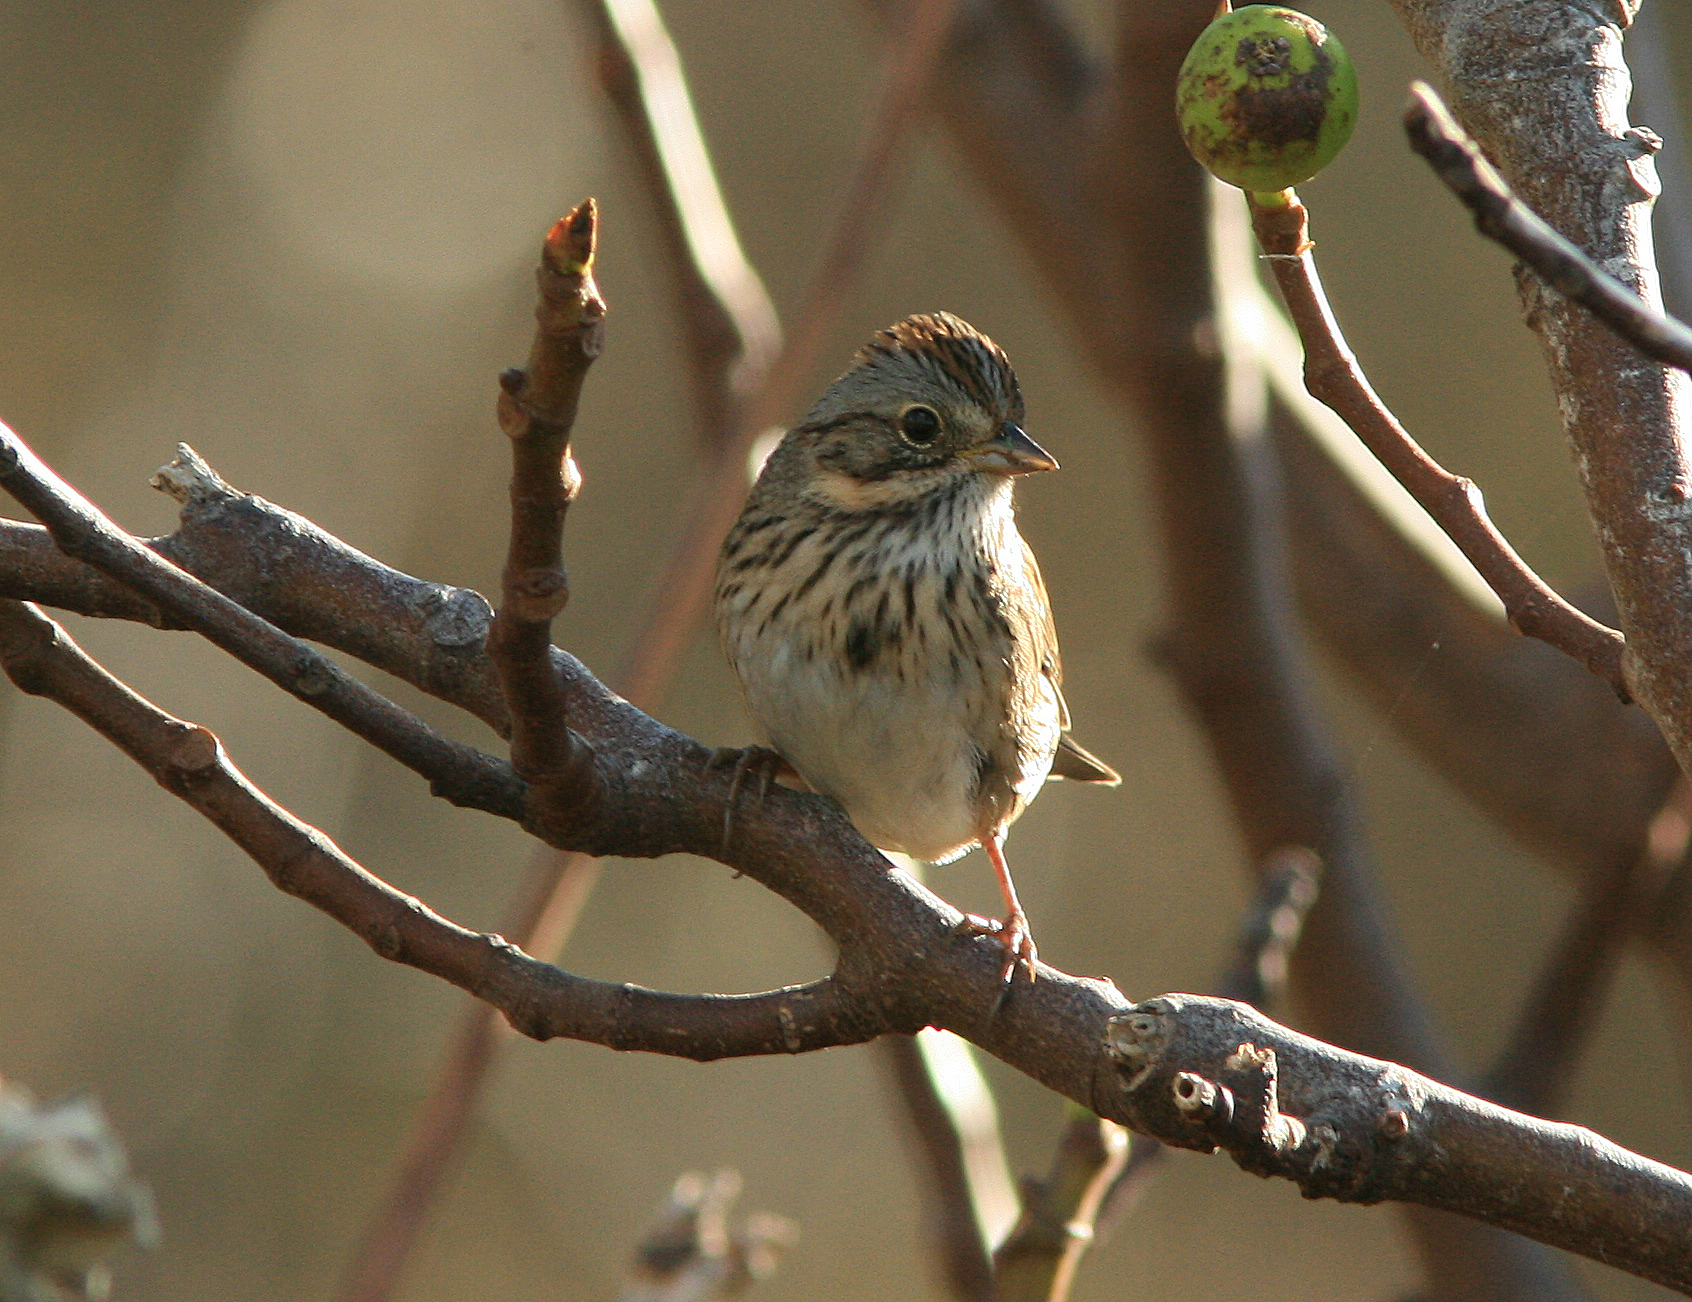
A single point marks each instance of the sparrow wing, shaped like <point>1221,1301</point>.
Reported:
<point>1072,760</point>
<point>1078,764</point>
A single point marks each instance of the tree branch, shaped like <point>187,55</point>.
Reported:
<point>902,964</point>
<point>456,772</point>
<point>1288,883</point>
<point>1332,374</point>
<point>537,408</point>
<point>1037,1263</point>
<point>726,314</point>
<point>961,1243</point>
<point>1542,87</point>
<point>540,1000</point>
<point>1537,1065</point>
<point>1206,1074</point>
<point>1500,216</point>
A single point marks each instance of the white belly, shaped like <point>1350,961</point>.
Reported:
<point>896,755</point>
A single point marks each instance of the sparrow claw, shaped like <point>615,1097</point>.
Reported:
<point>1013,936</point>
<point>766,763</point>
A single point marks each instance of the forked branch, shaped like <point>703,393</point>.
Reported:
<point>456,772</point>
<point>1500,216</point>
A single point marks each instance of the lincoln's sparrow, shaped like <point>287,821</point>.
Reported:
<point>888,623</point>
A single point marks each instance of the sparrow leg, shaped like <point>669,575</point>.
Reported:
<point>765,763</point>
<point>1013,932</point>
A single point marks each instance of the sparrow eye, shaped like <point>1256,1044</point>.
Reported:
<point>919,425</point>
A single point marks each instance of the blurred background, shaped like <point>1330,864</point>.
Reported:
<point>299,235</point>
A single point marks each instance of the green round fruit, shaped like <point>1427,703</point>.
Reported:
<point>1266,97</point>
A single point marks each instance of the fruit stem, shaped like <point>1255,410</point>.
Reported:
<point>1273,198</point>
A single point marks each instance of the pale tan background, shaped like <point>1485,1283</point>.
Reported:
<point>298,235</point>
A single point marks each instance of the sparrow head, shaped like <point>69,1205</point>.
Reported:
<point>926,402</point>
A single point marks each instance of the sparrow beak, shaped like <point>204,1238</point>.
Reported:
<point>1011,452</point>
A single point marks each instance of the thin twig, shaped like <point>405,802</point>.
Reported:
<point>1556,1022</point>
<point>1499,215</point>
<point>1534,741</point>
<point>189,762</point>
<point>1332,374</point>
<point>732,332</point>
<point>726,314</point>
<point>960,1240</point>
<point>537,408</point>
<point>1555,124</point>
<point>456,772</point>
<point>1288,880</point>
<point>1037,1263</point>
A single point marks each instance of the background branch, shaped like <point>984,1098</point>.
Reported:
<point>726,314</point>
<point>961,1242</point>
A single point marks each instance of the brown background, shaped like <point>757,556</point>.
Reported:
<point>298,236</point>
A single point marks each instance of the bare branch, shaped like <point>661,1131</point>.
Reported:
<point>1542,87</point>
<point>537,408</point>
<point>1206,1074</point>
<point>542,1001</point>
<point>903,964</point>
<point>1537,1065</point>
<point>913,57</point>
<point>726,314</point>
<point>1333,375</point>
<point>1287,885</point>
<point>960,1239</point>
<point>456,772</point>
<point>1037,1263</point>
<point>1500,216</point>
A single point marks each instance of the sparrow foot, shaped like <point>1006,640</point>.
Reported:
<point>1013,936</point>
<point>760,761</point>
